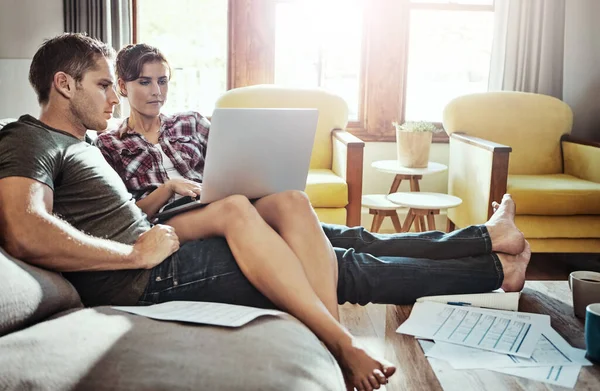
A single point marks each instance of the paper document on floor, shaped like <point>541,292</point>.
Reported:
<point>498,331</point>
<point>558,375</point>
<point>565,376</point>
<point>551,350</point>
<point>216,314</point>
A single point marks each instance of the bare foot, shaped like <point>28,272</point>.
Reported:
<point>495,206</point>
<point>361,370</point>
<point>514,267</point>
<point>505,236</point>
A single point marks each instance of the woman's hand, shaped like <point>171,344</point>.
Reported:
<point>184,187</point>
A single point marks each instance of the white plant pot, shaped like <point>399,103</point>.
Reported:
<point>413,148</point>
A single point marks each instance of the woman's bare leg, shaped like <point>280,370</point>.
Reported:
<point>273,268</point>
<point>292,216</point>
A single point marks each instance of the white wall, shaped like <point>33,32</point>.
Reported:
<point>17,96</point>
<point>24,24</point>
<point>581,88</point>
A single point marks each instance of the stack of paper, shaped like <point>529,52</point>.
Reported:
<point>516,343</point>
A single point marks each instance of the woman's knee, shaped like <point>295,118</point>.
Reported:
<point>292,202</point>
<point>236,208</point>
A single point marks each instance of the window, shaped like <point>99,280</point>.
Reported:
<point>448,54</point>
<point>318,43</point>
<point>391,60</point>
<point>193,36</point>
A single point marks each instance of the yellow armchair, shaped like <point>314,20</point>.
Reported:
<point>553,178</point>
<point>334,183</point>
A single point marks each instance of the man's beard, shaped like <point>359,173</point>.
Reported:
<point>82,112</point>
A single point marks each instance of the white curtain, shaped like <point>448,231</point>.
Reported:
<point>528,48</point>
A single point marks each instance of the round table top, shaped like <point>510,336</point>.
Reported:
<point>393,167</point>
<point>378,201</point>
<point>424,200</point>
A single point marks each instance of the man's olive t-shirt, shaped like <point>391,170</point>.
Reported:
<point>88,194</point>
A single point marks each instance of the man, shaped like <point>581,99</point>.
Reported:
<point>63,208</point>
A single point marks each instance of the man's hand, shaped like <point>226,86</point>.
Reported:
<point>154,246</point>
<point>184,187</point>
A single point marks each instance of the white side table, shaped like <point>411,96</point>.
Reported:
<point>423,204</point>
<point>413,175</point>
<point>380,207</point>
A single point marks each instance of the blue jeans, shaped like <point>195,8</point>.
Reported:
<point>378,268</point>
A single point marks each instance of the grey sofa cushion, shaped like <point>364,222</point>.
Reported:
<point>29,294</point>
<point>104,349</point>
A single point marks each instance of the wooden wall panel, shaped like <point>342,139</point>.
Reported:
<point>251,42</point>
<point>386,25</point>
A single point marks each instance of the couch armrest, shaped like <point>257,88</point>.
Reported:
<point>482,143</point>
<point>348,151</point>
<point>581,158</point>
<point>477,173</point>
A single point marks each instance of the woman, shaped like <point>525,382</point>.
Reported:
<point>277,240</point>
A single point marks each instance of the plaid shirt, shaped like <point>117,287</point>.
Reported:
<point>183,138</point>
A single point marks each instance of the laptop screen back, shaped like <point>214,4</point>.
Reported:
<point>257,152</point>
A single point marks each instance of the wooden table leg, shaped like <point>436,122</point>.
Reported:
<point>414,186</point>
<point>380,214</point>
<point>410,217</point>
<point>431,221</point>
<point>417,224</point>
<point>396,222</point>
<point>450,225</point>
<point>396,183</point>
<point>377,221</point>
<point>374,223</point>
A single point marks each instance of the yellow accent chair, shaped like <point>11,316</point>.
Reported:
<point>334,183</point>
<point>553,178</point>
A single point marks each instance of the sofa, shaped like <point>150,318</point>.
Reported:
<point>520,143</point>
<point>49,341</point>
<point>334,183</point>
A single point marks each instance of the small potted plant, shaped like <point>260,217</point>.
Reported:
<point>413,141</point>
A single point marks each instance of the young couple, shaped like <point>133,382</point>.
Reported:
<point>63,207</point>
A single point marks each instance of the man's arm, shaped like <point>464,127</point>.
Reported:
<point>31,232</point>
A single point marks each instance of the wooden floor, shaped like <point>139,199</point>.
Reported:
<point>559,266</point>
<point>368,323</point>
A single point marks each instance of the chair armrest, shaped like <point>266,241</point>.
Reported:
<point>477,173</point>
<point>481,143</point>
<point>581,158</point>
<point>348,151</point>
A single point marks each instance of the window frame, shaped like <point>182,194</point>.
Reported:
<point>384,61</point>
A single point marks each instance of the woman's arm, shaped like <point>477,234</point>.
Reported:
<point>152,203</point>
<point>155,200</point>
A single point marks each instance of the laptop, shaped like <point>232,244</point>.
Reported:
<point>254,152</point>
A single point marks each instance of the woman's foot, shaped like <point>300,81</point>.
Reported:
<point>361,370</point>
<point>505,236</point>
<point>514,267</point>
